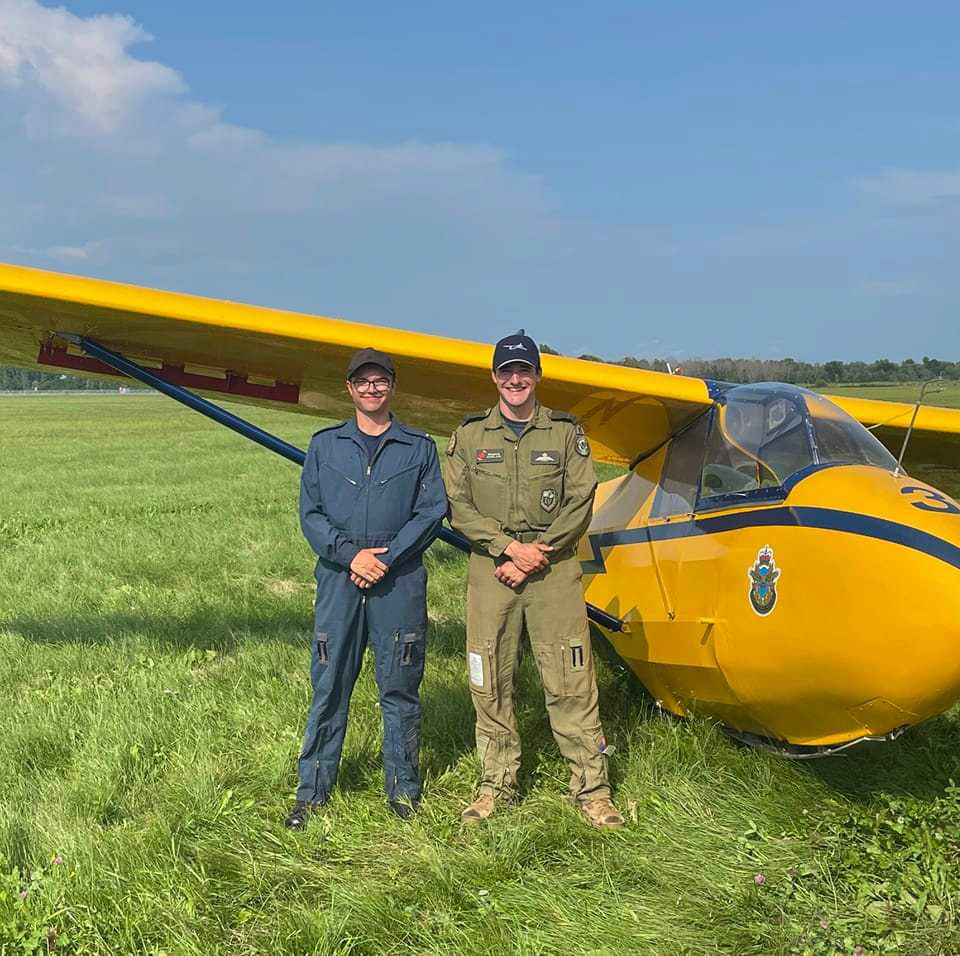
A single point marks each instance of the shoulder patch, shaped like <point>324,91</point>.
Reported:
<point>452,444</point>
<point>563,417</point>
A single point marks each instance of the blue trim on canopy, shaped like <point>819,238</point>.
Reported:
<point>717,390</point>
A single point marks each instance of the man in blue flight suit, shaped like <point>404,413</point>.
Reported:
<point>371,501</point>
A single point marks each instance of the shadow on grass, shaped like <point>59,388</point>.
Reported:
<point>212,627</point>
<point>921,763</point>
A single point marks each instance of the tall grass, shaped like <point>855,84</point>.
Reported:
<point>155,600</point>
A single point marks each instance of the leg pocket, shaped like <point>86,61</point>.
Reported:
<point>400,658</point>
<point>566,667</point>
<point>577,657</point>
<point>410,648</point>
<point>320,660</point>
<point>480,669</point>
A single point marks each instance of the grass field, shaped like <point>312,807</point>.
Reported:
<point>944,393</point>
<point>155,599</point>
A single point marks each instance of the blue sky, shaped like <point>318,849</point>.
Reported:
<point>692,179</point>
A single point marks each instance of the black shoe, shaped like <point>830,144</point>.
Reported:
<point>402,809</point>
<point>297,818</point>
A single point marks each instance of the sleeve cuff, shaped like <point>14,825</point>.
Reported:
<point>347,552</point>
<point>499,544</point>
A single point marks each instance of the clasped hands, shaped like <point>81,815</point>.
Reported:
<point>524,560</point>
<point>366,569</point>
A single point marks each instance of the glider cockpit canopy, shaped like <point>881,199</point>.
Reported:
<point>765,435</point>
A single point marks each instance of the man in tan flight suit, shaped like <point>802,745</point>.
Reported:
<point>521,484</point>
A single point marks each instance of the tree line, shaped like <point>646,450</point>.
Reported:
<point>819,374</point>
<point>739,370</point>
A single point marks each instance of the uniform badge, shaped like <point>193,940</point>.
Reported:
<point>489,455</point>
<point>763,577</point>
<point>548,499</point>
<point>452,444</point>
<point>582,445</point>
<point>544,458</point>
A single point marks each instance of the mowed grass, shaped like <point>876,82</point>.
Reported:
<point>946,394</point>
<point>155,604</point>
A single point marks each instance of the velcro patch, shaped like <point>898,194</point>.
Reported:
<point>486,456</point>
<point>476,669</point>
<point>544,458</point>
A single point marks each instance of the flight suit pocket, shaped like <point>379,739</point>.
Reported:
<point>399,658</point>
<point>480,669</point>
<point>401,486</point>
<point>566,667</point>
<point>409,649</point>
<point>541,494</point>
<point>321,648</point>
<point>489,489</point>
<point>338,490</point>
<point>577,667</point>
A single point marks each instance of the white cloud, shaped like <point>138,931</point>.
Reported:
<point>80,66</point>
<point>84,253</point>
<point>911,186</point>
<point>110,166</point>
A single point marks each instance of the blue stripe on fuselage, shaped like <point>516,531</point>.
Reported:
<point>825,519</point>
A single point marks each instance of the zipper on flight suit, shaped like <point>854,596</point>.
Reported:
<point>366,489</point>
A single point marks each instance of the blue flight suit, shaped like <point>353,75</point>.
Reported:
<point>348,502</point>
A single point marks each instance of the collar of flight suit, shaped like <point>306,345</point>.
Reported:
<point>397,432</point>
<point>541,419</point>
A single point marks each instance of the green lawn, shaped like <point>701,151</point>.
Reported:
<point>943,393</point>
<point>155,600</point>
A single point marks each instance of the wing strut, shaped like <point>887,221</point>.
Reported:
<point>222,417</point>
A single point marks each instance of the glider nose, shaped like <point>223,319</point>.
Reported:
<point>862,633</point>
<point>901,607</point>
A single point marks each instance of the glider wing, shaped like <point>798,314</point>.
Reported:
<point>286,359</point>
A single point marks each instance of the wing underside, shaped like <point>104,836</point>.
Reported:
<point>298,361</point>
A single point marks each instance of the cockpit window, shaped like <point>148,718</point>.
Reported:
<point>763,434</point>
<point>760,438</point>
<point>843,440</point>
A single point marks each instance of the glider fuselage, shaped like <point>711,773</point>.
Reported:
<point>814,605</point>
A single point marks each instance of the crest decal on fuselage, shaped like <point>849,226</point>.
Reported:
<point>763,577</point>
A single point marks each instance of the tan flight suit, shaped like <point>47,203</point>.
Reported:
<point>538,487</point>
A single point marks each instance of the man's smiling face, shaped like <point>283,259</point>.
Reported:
<point>371,388</point>
<point>516,382</point>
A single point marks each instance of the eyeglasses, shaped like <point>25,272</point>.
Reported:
<point>371,384</point>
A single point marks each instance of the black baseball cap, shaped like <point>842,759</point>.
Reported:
<point>371,357</point>
<point>518,347</point>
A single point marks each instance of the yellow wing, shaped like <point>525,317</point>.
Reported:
<point>269,357</point>
<point>625,411</point>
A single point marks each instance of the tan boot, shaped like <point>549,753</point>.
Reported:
<point>481,808</point>
<point>602,813</point>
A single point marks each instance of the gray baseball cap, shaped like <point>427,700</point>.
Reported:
<point>371,357</point>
